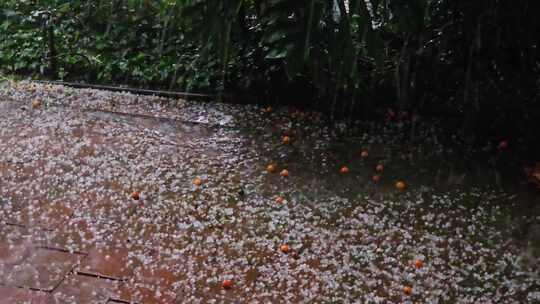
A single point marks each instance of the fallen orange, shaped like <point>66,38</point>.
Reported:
<point>270,168</point>
<point>400,185</point>
<point>364,153</point>
<point>286,140</point>
<point>227,284</point>
<point>284,248</point>
<point>418,263</point>
<point>407,290</point>
<point>344,170</point>
<point>376,178</point>
<point>280,199</point>
<point>135,195</point>
<point>284,173</point>
<point>36,103</point>
<point>197,182</point>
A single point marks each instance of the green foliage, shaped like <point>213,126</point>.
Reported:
<point>125,42</point>
<point>470,59</point>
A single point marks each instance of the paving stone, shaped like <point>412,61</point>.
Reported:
<point>17,233</point>
<point>86,289</point>
<point>16,245</point>
<point>24,201</point>
<point>82,234</point>
<point>147,294</point>
<point>47,215</point>
<point>11,255</point>
<point>43,269</point>
<point>15,295</point>
<point>70,170</point>
<point>145,231</point>
<point>112,261</point>
<point>104,205</point>
<point>154,282</point>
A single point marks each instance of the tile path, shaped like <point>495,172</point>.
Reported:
<point>59,248</point>
<point>70,231</point>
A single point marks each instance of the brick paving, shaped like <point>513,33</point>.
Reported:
<point>72,232</point>
<point>36,268</point>
<point>57,247</point>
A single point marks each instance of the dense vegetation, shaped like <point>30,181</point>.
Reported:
<point>474,61</point>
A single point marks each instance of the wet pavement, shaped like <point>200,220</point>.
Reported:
<point>205,210</point>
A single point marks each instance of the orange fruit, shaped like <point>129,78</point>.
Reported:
<point>376,178</point>
<point>364,153</point>
<point>344,170</point>
<point>284,173</point>
<point>407,290</point>
<point>227,284</point>
<point>270,168</point>
<point>135,195</point>
<point>197,182</point>
<point>280,199</point>
<point>36,103</point>
<point>286,140</point>
<point>284,248</point>
<point>379,168</point>
<point>268,110</point>
<point>400,185</point>
<point>418,263</point>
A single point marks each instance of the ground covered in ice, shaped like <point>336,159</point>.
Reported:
<point>113,197</point>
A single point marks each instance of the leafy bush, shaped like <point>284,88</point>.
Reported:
<point>138,42</point>
<point>475,62</point>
